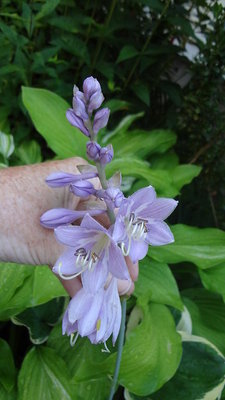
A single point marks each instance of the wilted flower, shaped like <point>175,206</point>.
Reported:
<point>139,223</point>
<point>92,252</point>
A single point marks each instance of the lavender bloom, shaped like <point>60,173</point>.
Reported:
<point>139,223</point>
<point>79,105</point>
<point>60,216</point>
<point>82,188</point>
<point>59,179</point>
<point>76,121</point>
<point>93,150</point>
<point>106,154</point>
<point>91,86</point>
<point>101,119</point>
<point>91,252</point>
<point>97,316</point>
<point>112,196</point>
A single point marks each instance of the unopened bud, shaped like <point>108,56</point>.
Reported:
<point>82,188</point>
<point>90,86</point>
<point>79,105</point>
<point>106,154</point>
<point>101,119</point>
<point>93,150</point>
<point>76,121</point>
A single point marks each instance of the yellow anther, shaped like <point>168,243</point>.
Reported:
<point>98,325</point>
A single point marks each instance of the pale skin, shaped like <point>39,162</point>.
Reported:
<point>24,197</point>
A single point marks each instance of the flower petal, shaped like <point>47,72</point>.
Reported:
<point>79,305</point>
<point>90,223</point>
<point>117,264</point>
<point>67,264</point>
<point>87,324</point>
<point>160,209</point>
<point>94,280</point>
<point>138,250</point>
<point>141,199</point>
<point>159,234</point>
<point>76,236</point>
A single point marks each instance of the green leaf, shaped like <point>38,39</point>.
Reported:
<point>151,353</point>
<point>208,315</point>
<point>142,92</point>
<point>23,286</point>
<point>88,365</point>
<point>47,8</point>
<point>39,320</point>
<point>204,247</point>
<point>200,375</point>
<point>7,367</point>
<point>44,375</point>
<point>48,113</point>
<point>122,126</point>
<point>130,166</point>
<point>213,279</point>
<point>117,105</point>
<point>143,143</point>
<point>126,53</point>
<point>184,174</point>
<point>29,152</point>
<point>7,146</point>
<point>157,284</point>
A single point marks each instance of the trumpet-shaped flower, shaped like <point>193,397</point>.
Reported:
<point>140,222</point>
<point>97,316</point>
<point>91,252</point>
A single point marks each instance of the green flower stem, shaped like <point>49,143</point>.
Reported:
<point>120,348</point>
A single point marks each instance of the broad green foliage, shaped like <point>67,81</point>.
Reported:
<point>207,312</point>
<point>26,286</point>
<point>203,247</point>
<point>213,279</point>
<point>157,284</point>
<point>200,375</point>
<point>48,113</point>
<point>29,152</point>
<point>153,349</point>
<point>44,372</point>
<point>7,367</point>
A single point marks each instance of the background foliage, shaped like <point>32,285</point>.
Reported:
<point>167,128</point>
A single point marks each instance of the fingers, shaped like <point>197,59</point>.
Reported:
<point>132,268</point>
<point>72,287</point>
<point>127,287</point>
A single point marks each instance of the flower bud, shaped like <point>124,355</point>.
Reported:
<point>76,121</point>
<point>106,154</point>
<point>79,106</point>
<point>95,101</point>
<point>90,86</point>
<point>101,119</point>
<point>113,197</point>
<point>60,179</point>
<point>60,216</point>
<point>82,188</point>
<point>93,150</point>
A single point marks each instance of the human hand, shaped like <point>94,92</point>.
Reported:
<point>24,198</point>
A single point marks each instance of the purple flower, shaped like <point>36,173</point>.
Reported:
<point>82,188</point>
<point>139,223</point>
<point>79,105</point>
<point>97,316</point>
<point>59,179</point>
<point>112,196</point>
<point>95,102</point>
<point>76,121</point>
<point>106,154</point>
<point>91,252</point>
<point>93,150</point>
<point>101,119</point>
<point>60,216</point>
<point>91,86</point>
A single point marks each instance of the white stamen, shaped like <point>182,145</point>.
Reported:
<point>136,230</point>
<point>68,277</point>
<point>73,338</point>
<point>105,350</point>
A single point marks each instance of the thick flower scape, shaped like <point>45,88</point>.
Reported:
<point>92,252</point>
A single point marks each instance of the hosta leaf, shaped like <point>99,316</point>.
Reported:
<point>208,315</point>
<point>184,174</point>
<point>122,126</point>
<point>7,367</point>
<point>204,247</point>
<point>157,284</point>
<point>126,53</point>
<point>151,353</point>
<point>200,375</point>
<point>213,279</point>
<point>48,113</point>
<point>6,145</point>
<point>44,375</point>
<point>39,320</point>
<point>24,286</point>
<point>29,152</point>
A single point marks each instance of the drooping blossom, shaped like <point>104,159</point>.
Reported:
<point>97,316</point>
<point>140,222</point>
<point>91,252</point>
